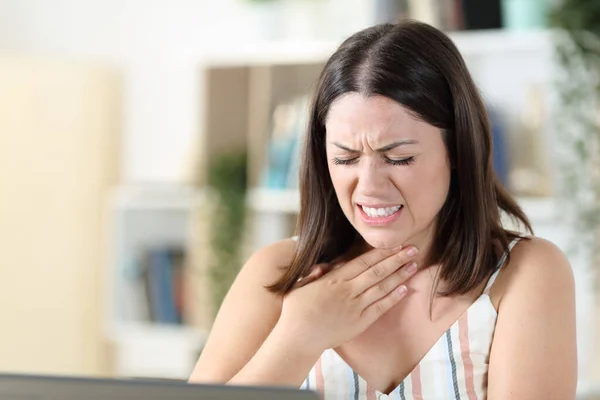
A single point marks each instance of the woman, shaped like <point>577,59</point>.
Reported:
<point>402,282</point>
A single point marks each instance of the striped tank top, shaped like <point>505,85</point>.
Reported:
<point>454,368</point>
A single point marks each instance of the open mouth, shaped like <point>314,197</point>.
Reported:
<point>380,215</point>
<point>381,212</point>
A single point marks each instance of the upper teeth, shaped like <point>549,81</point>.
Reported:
<point>380,212</point>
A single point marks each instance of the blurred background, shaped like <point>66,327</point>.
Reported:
<point>148,147</point>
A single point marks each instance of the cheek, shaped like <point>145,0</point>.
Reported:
<point>342,180</point>
<point>343,183</point>
<point>426,189</point>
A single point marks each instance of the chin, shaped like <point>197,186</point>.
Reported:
<point>382,239</point>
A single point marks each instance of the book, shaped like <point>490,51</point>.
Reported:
<point>499,145</point>
<point>451,15</point>
<point>164,281</point>
<point>285,144</point>
<point>478,14</point>
<point>133,300</point>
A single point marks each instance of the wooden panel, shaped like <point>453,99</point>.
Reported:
<point>59,126</point>
<point>290,81</point>
<point>225,114</point>
<point>259,121</point>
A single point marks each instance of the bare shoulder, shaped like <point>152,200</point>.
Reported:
<point>535,326</point>
<point>536,266</point>
<point>247,316</point>
<point>271,260</point>
<point>262,269</point>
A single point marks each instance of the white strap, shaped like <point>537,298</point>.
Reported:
<point>501,262</point>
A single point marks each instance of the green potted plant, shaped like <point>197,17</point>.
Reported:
<point>577,123</point>
<point>577,120</point>
<point>227,185</point>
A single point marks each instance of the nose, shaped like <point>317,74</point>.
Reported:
<point>372,179</point>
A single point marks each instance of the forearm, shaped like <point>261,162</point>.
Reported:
<point>280,361</point>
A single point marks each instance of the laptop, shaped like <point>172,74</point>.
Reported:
<point>40,387</point>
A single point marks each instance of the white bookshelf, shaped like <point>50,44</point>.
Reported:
<point>141,217</point>
<point>156,198</point>
<point>146,350</point>
<point>274,201</point>
<point>290,53</point>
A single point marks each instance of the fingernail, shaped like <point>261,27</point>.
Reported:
<point>398,248</point>
<point>402,289</point>
<point>299,279</point>
<point>412,252</point>
<point>412,267</point>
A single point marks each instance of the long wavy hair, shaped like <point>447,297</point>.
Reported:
<point>419,67</point>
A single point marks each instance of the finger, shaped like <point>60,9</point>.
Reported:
<point>315,273</point>
<point>376,274</point>
<point>377,309</point>
<point>336,266</point>
<point>365,261</point>
<point>327,268</point>
<point>384,287</point>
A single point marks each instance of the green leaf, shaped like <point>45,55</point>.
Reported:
<point>227,180</point>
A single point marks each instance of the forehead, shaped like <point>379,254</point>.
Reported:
<point>354,115</point>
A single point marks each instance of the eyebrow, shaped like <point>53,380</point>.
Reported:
<point>382,149</point>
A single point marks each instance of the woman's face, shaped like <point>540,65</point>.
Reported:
<point>390,170</point>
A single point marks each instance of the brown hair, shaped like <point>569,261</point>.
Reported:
<point>419,67</point>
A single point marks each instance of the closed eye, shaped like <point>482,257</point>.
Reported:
<point>392,161</point>
<point>401,161</point>
<point>345,161</point>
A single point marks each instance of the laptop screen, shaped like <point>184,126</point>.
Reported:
<point>30,387</point>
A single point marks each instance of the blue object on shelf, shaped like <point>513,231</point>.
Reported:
<point>499,150</point>
<point>280,154</point>
<point>161,287</point>
<point>524,14</point>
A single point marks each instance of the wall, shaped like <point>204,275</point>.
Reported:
<point>59,126</point>
<point>143,38</point>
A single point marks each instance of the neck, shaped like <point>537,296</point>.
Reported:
<point>422,241</point>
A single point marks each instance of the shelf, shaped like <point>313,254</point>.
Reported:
<point>156,198</point>
<point>268,53</point>
<point>155,351</point>
<point>274,201</point>
<point>157,335</point>
<point>142,217</point>
<point>307,52</point>
<point>501,41</point>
